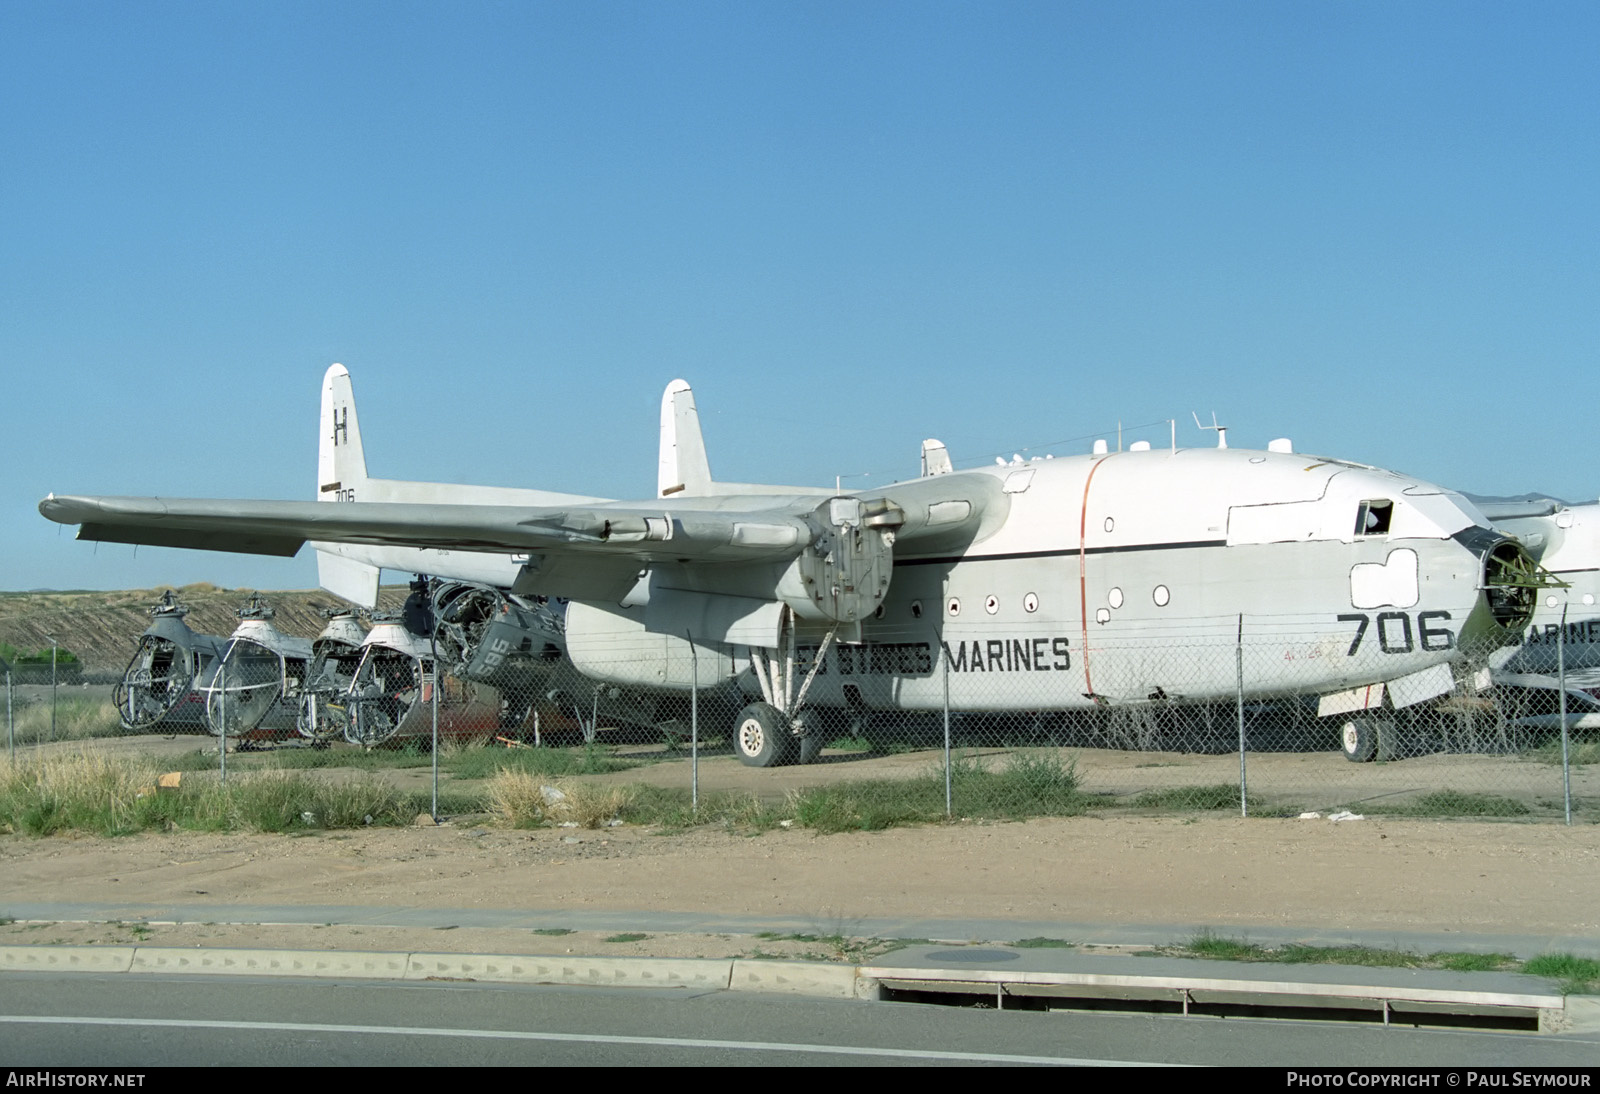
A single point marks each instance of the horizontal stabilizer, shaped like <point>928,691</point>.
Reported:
<point>350,578</point>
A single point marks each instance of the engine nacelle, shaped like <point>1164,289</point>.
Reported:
<point>493,638</point>
<point>610,643</point>
<point>845,570</point>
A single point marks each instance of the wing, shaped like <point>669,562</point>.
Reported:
<point>283,527</point>
<point>844,543</point>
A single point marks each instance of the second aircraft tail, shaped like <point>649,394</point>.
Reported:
<point>342,476</point>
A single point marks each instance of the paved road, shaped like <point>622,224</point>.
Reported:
<point>131,1022</point>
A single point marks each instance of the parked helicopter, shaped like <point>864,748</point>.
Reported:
<point>158,690</point>
<point>254,691</point>
<point>325,709</point>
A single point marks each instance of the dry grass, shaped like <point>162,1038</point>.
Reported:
<point>279,801</point>
<point>90,792</point>
<point>76,719</point>
<point>78,790</point>
<point>520,799</point>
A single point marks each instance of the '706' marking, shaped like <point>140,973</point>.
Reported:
<point>1395,634</point>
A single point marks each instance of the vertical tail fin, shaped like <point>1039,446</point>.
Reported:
<point>342,476</point>
<point>683,467</point>
<point>341,463</point>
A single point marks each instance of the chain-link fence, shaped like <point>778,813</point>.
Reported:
<point>1246,714</point>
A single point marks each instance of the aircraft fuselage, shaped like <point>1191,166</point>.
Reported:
<point>1132,577</point>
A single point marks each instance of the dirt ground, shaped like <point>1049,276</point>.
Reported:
<point>1230,875</point>
<point>1185,871</point>
<point>1279,782</point>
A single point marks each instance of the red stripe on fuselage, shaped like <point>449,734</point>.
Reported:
<point>1083,575</point>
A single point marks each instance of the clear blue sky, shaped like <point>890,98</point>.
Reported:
<point>1372,227</point>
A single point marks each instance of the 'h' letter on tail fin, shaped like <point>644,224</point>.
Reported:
<point>342,476</point>
<point>341,465</point>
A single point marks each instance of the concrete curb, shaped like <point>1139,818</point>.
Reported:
<point>710,974</point>
<point>240,962</point>
<point>1571,1014</point>
<point>1582,1014</point>
<point>706,974</point>
<point>66,958</point>
<point>800,978</point>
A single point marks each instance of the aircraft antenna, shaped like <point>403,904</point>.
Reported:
<point>1222,430</point>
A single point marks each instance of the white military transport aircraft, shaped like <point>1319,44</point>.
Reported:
<point>1083,582</point>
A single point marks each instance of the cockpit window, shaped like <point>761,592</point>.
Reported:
<point>1372,518</point>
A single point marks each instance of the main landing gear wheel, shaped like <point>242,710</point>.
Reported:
<point>1360,737</point>
<point>761,736</point>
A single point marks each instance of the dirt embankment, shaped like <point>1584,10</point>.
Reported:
<point>1235,875</point>
<point>101,628</point>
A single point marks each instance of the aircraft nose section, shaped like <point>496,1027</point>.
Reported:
<point>1510,580</point>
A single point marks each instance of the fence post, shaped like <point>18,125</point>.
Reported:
<point>1238,663</point>
<point>222,714</point>
<point>949,801</point>
<point>1561,686</point>
<point>52,689</point>
<point>433,649</point>
<point>11,725</point>
<point>694,724</point>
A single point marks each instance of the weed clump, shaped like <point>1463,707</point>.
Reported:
<point>481,763</point>
<point>1451,803</point>
<point>520,799</point>
<point>1579,753</point>
<point>280,801</point>
<point>1207,944</point>
<point>1030,785</point>
<point>1215,796</point>
<point>81,791</point>
<point>1217,947</point>
<point>1579,975</point>
<point>89,792</point>
<point>76,718</point>
<point>672,809</point>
